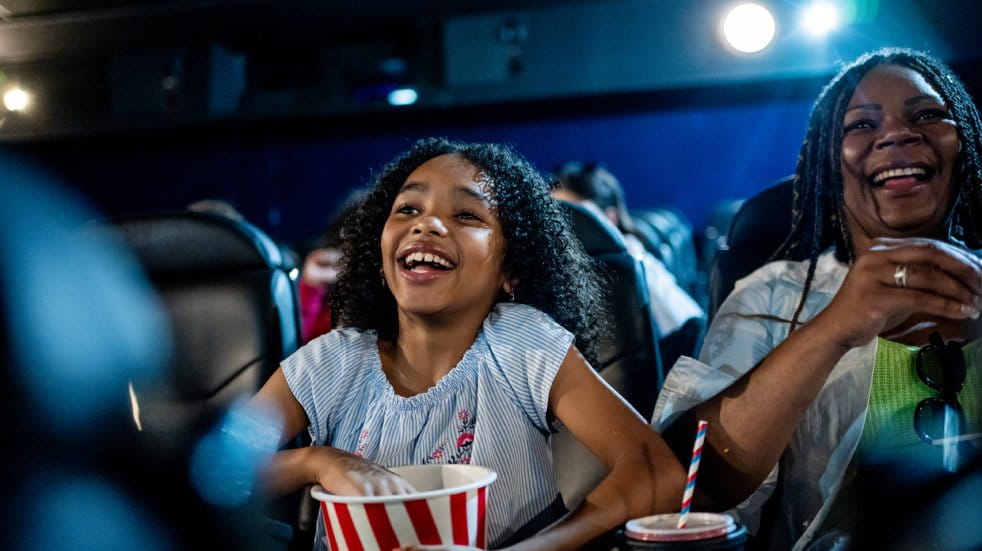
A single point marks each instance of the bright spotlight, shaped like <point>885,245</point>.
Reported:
<point>820,18</point>
<point>749,28</point>
<point>15,99</point>
<point>403,96</point>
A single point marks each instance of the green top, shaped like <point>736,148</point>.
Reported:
<point>896,389</point>
<point>889,427</point>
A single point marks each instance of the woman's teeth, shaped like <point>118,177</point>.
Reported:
<point>898,173</point>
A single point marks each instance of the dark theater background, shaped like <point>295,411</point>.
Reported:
<point>282,108</point>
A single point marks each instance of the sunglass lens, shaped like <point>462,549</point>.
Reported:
<point>935,419</point>
<point>929,367</point>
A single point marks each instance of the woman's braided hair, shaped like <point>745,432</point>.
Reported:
<point>818,210</point>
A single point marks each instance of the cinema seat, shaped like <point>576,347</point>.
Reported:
<point>629,359</point>
<point>757,230</point>
<point>226,289</point>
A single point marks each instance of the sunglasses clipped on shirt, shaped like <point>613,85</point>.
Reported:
<point>941,366</point>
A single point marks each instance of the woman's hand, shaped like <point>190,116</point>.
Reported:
<point>941,279</point>
<point>753,420</point>
<point>342,473</point>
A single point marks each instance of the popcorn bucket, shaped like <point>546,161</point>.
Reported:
<point>449,508</point>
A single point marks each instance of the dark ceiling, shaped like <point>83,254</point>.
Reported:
<point>44,28</point>
<point>102,66</point>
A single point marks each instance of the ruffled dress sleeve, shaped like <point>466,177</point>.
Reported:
<point>527,348</point>
<point>323,373</point>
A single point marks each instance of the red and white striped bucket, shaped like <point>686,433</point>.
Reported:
<point>449,508</point>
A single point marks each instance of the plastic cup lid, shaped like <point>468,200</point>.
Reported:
<point>698,526</point>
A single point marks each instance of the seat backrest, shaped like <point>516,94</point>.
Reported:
<point>233,308</point>
<point>759,227</point>
<point>629,359</point>
<point>79,323</point>
<point>676,243</point>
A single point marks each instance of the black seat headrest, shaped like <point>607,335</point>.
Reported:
<point>763,221</point>
<point>188,243</point>
<point>598,235</point>
<point>226,289</point>
<point>673,240</point>
<point>759,227</point>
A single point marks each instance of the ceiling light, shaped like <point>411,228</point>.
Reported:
<point>15,99</point>
<point>403,96</point>
<point>749,28</point>
<point>820,18</point>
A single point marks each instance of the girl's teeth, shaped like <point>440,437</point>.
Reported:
<point>419,257</point>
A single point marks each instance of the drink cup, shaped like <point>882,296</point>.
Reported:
<point>449,508</point>
<point>703,531</point>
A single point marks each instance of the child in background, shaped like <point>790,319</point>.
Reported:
<point>320,273</point>
<point>460,294</point>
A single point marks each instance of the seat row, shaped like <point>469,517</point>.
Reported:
<point>230,296</point>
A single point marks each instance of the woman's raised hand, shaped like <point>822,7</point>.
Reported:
<point>897,278</point>
<point>342,473</point>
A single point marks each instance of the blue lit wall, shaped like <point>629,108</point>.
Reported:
<point>685,157</point>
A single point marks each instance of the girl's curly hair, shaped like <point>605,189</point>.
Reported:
<point>554,274</point>
<point>818,211</point>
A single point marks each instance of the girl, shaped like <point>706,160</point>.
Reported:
<point>458,303</point>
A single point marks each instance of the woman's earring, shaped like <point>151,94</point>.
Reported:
<point>381,276</point>
<point>511,295</point>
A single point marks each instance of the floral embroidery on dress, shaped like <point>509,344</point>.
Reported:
<point>459,450</point>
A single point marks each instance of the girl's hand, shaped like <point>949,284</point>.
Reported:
<point>342,473</point>
<point>942,281</point>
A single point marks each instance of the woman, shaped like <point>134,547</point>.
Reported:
<point>889,173</point>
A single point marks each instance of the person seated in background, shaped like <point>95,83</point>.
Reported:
<point>465,315</point>
<point>320,273</point>
<point>813,369</point>
<point>679,319</point>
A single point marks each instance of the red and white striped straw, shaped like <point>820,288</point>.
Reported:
<point>690,484</point>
